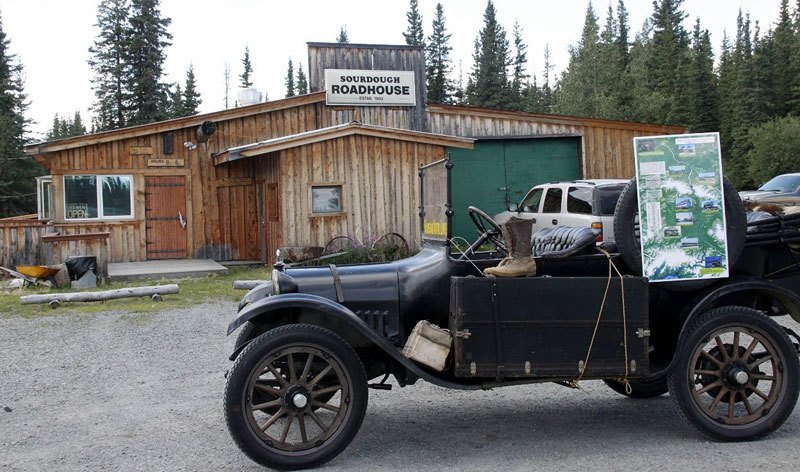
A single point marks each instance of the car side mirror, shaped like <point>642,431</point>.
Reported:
<point>513,207</point>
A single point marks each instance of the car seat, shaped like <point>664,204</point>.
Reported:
<point>562,241</point>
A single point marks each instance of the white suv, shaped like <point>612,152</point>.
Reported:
<point>588,203</point>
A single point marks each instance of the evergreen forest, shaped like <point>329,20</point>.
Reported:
<point>665,72</point>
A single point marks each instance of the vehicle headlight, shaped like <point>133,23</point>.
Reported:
<point>282,283</point>
<point>276,285</point>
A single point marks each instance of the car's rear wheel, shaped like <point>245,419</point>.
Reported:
<point>736,374</point>
<point>295,397</point>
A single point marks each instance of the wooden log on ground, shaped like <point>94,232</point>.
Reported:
<point>246,284</point>
<point>100,296</point>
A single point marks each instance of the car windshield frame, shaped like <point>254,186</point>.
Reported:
<point>786,183</point>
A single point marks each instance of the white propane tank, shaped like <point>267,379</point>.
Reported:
<point>249,96</point>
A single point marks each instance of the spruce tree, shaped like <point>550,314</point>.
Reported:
<point>668,65</point>
<point>17,172</point>
<point>109,62</point>
<point>148,40</point>
<point>623,33</point>
<point>174,102</point>
<point>775,64</point>
<point>76,126</point>
<point>743,107</point>
<point>302,81</point>
<point>579,81</point>
<point>290,91</point>
<point>794,61</point>
<point>65,127</point>
<point>519,77</point>
<point>440,87</point>
<point>191,97</point>
<point>342,38</point>
<point>701,90</point>
<point>726,77</point>
<point>247,69</point>
<point>488,84</point>
<point>414,35</point>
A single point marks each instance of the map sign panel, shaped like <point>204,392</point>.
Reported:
<point>681,207</point>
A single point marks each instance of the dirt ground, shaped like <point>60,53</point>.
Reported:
<point>120,391</point>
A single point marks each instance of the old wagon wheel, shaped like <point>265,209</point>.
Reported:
<point>391,247</point>
<point>339,244</point>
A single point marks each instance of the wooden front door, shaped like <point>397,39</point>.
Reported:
<point>165,217</point>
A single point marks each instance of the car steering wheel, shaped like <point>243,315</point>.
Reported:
<point>491,233</point>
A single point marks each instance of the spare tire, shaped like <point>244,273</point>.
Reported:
<point>626,231</point>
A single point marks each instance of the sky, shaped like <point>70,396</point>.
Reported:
<point>51,38</point>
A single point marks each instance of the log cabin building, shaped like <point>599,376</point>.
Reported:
<point>239,183</point>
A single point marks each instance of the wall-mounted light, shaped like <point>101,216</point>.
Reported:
<point>189,145</point>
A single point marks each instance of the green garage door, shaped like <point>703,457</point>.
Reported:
<point>498,172</point>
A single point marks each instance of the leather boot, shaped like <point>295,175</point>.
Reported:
<point>519,262</point>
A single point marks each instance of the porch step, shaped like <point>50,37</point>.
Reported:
<point>165,269</point>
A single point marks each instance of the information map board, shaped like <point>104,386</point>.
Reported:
<point>681,207</point>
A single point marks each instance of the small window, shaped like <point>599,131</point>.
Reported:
<point>552,201</point>
<point>326,199</point>
<point>531,201</point>
<point>579,200</point>
<point>44,193</point>
<point>98,196</point>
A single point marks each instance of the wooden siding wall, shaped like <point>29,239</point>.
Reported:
<point>607,148</point>
<point>21,242</point>
<point>323,56</point>
<point>214,194</point>
<point>380,188</point>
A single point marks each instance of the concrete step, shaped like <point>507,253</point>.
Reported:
<point>164,269</point>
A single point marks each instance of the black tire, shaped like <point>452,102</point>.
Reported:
<point>639,388</point>
<point>736,374</point>
<point>246,333</point>
<point>626,237</point>
<point>283,367</point>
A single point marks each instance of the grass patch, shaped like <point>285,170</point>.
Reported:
<point>193,291</point>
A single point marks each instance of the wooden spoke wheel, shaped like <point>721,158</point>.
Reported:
<point>295,397</point>
<point>737,375</point>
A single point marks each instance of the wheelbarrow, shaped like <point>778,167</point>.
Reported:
<point>32,274</point>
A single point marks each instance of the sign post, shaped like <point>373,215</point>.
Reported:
<point>681,207</point>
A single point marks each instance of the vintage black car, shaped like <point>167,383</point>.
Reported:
<point>312,338</point>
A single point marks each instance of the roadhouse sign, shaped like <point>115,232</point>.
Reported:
<point>370,87</point>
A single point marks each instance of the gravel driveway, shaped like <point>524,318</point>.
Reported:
<point>117,391</point>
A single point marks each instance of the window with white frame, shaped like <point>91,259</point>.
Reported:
<point>98,197</point>
<point>44,197</point>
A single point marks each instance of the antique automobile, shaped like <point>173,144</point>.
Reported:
<point>313,339</point>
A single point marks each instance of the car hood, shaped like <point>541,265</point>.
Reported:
<point>755,195</point>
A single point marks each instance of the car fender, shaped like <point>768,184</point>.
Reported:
<point>264,307</point>
<point>789,299</point>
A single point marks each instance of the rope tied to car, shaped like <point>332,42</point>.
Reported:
<point>585,364</point>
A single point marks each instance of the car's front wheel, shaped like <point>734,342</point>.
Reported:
<point>295,397</point>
